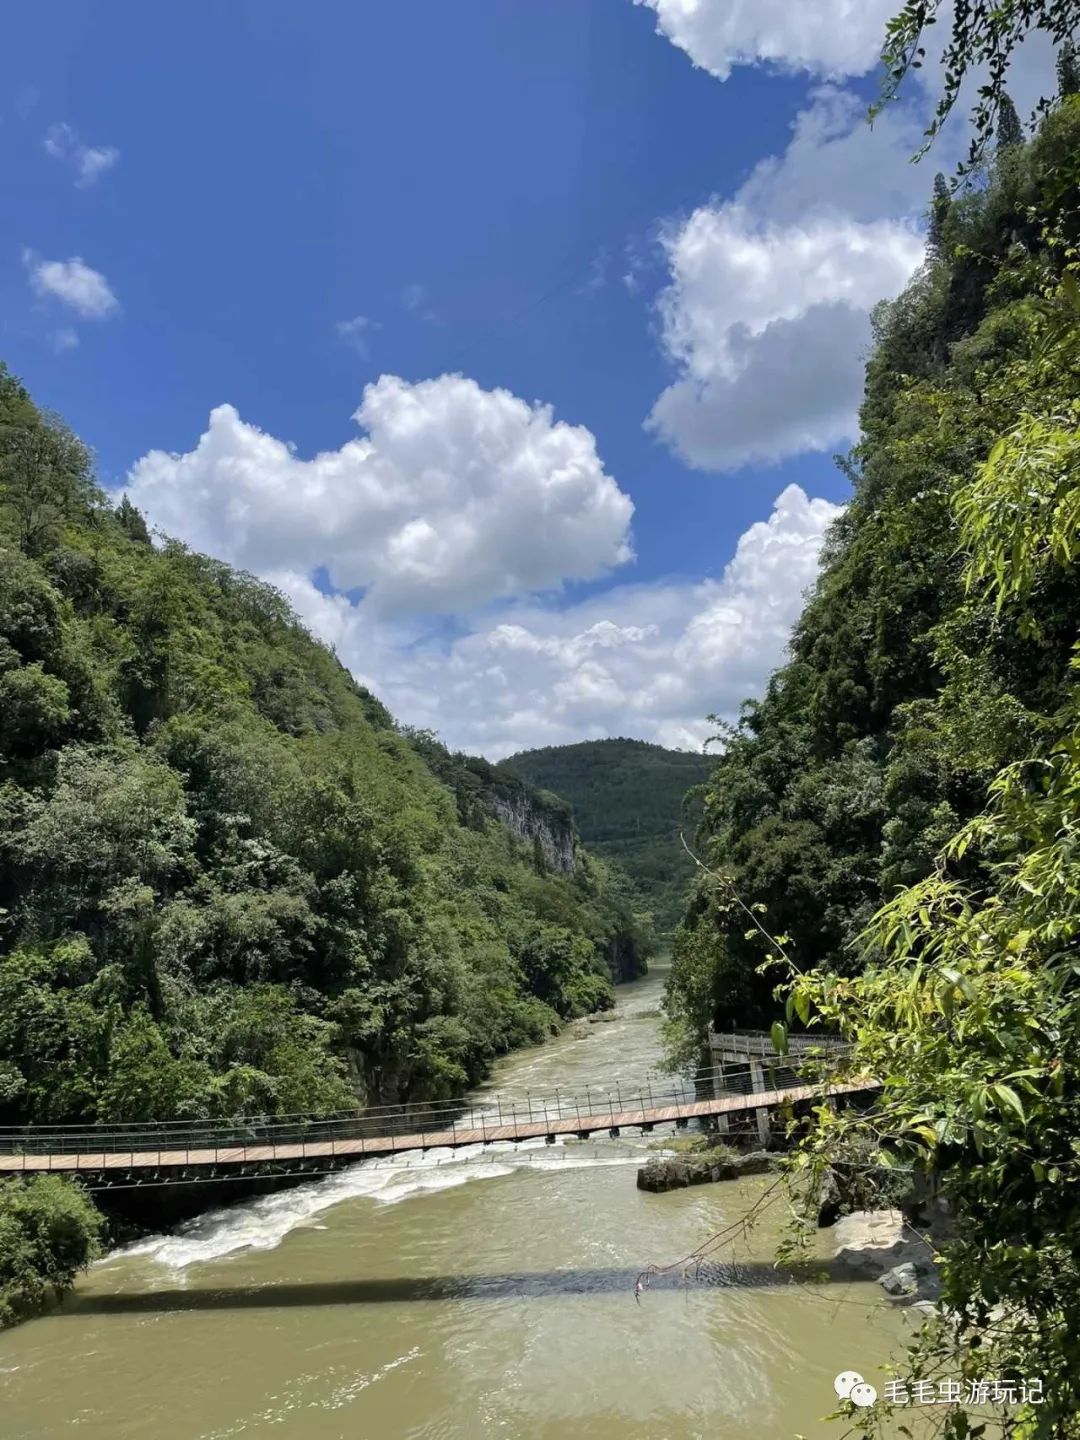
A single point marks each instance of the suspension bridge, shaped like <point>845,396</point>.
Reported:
<point>748,1082</point>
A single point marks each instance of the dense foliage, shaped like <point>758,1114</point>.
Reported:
<point>229,885</point>
<point>901,700</point>
<point>49,1231</point>
<point>902,810</point>
<point>970,1003</point>
<point>630,802</point>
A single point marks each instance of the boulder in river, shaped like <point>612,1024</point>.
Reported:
<point>880,1245</point>
<point>701,1167</point>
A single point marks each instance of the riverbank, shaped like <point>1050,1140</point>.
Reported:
<point>874,1244</point>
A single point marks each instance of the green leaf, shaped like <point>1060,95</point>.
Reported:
<point>779,1037</point>
<point>1006,1096</point>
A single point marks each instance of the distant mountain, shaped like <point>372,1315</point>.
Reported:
<point>629,802</point>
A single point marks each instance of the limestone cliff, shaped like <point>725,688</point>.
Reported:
<point>484,792</point>
<point>527,814</point>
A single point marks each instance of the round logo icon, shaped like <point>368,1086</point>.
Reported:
<point>862,1394</point>
<point>845,1382</point>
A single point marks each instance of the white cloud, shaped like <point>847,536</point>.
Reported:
<point>824,37</point>
<point>836,160</point>
<point>834,39</point>
<point>73,282</point>
<point>456,497</point>
<point>355,333</point>
<point>767,324</point>
<point>837,163</point>
<point>597,277</point>
<point>415,299</point>
<point>645,660</point>
<point>765,315</point>
<point>88,161</point>
<point>66,338</point>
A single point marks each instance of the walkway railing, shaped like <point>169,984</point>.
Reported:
<point>759,1043</point>
<point>460,1121</point>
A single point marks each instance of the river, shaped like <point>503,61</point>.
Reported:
<point>446,1298</point>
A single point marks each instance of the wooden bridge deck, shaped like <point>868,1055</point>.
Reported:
<point>482,1133</point>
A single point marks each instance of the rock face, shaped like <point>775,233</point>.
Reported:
<point>830,1201</point>
<point>900,1281</point>
<point>880,1245</point>
<point>674,1172</point>
<point>868,1242</point>
<point>554,831</point>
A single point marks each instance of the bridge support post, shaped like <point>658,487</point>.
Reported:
<point>761,1115</point>
<point>723,1122</point>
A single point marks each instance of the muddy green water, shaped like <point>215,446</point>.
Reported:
<point>440,1297</point>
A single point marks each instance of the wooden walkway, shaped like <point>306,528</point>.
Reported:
<point>477,1132</point>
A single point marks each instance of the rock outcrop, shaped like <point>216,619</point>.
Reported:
<point>547,826</point>
<point>701,1167</point>
<point>879,1244</point>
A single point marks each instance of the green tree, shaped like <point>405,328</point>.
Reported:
<point>630,800</point>
<point>1009,130</point>
<point>49,1231</point>
<point>132,522</point>
<point>44,481</point>
<point>1068,69</point>
<point>940,205</point>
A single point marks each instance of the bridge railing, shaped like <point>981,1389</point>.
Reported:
<point>478,1116</point>
<point>759,1043</point>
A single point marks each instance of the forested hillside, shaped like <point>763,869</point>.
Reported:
<point>630,801</point>
<point>893,829</point>
<point>229,885</point>
<point>907,690</point>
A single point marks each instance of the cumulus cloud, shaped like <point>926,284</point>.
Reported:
<point>823,37</point>
<point>767,324</point>
<point>454,497</point>
<point>74,283</point>
<point>765,314</point>
<point>649,660</point>
<point>834,39</point>
<point>89,162</point>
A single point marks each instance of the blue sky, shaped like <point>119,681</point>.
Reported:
<point>589,211</point>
